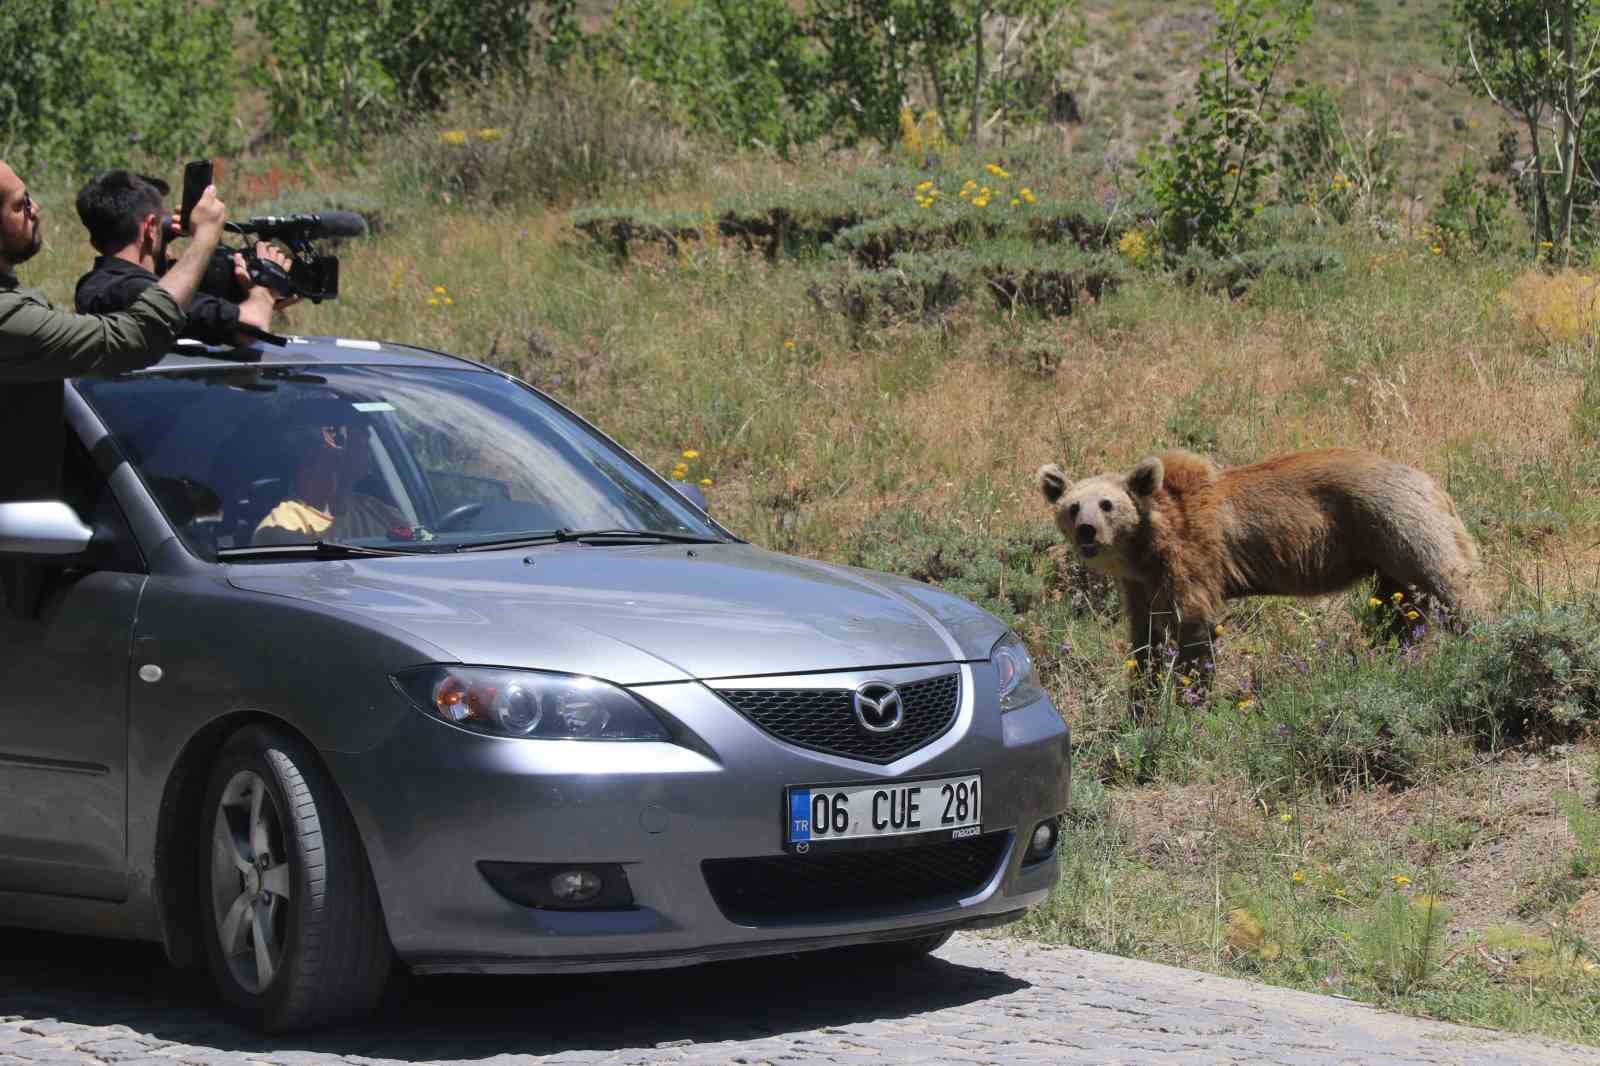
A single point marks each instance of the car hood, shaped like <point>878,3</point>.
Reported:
<point>644,614</point>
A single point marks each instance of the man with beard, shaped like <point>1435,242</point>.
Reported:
<point>40,346</point>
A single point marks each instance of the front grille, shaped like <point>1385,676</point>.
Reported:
<point>798,887</point>
<point>825,720</point>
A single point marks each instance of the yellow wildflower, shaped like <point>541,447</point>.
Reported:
<point>1129,664</point>
<point>491,133</point>
<point>1027,195</point>
<point>924,204</point>
<point>1298,877</point>
<point>690,453</point>
<point>1373,601</point>
<point>789,344</point>
<point>1246,703</point>
<point>1015,202</point>
<point>980,201</point>
<point>1546,244</point>
<point>1436,250</point>
<point>1412,616</point>
<point>1398,596</point>
<point>924,186</point>
<point>453,137</point>
<point>1184,679</point>
<point>679,472</point>
<point>1216,630</point>
<point>705,483</point>
<point>1134,245</point>
<point>438,290</point>
<point>1400,880</point>
<point>447,301</point>
<point>433,301</point>
<point>997,170</point>
<point>1285,818</point>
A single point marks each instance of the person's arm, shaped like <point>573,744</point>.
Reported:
<point>183,277</point>
<point>38,343</point>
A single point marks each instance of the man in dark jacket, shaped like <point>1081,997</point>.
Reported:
<point>40,346</point>
<point>122,212</point>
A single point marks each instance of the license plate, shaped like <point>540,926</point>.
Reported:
<point>826,815</point>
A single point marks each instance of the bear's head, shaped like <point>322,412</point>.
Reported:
<point>1101,516</point>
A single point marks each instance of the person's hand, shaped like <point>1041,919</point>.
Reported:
<point>279,258</point>
<point>205,221</point>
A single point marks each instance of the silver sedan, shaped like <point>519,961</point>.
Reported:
<point>347,655</point>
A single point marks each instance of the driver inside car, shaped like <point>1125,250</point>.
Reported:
<point>331,448</point>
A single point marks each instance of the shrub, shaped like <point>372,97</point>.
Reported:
<point>336,71</point>
<point>1400,943</point>
<point>1208,180</point>
<point>1234,273</point>
<point>506,142</point>
<point>1320,166</point>
<point>1526,676</point>
<point>1563,307</point>
<point>1470,215</point>
<point>739,70</point>
<point>1343,730</point>
<point>91,85</point>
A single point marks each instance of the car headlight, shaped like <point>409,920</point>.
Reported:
<point>1019,685</point>
<point>530,704</point>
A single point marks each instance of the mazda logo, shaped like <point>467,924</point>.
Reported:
<point>878,707</point>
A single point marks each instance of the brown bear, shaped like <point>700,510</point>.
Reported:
<point>1182,535</point>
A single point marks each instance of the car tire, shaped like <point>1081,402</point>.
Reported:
<point>285,885</point>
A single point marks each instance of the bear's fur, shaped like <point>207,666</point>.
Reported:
<point>1181,536</point>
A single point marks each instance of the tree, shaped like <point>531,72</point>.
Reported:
<point>1208,178</point>
<point>1536,59</point>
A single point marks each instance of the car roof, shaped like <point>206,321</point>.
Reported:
<point>325,351</point>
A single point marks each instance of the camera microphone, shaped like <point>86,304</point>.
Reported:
<point>323,224</point>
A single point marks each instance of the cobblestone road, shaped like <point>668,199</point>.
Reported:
<point>67,1001</point>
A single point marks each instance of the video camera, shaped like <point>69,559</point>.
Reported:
<point>312,275</point>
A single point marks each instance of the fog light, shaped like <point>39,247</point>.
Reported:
<point>1042,844</point>
<point>575,886</point>
<point>594,886</point>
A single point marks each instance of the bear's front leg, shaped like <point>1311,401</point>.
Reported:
<point>1142,634</point>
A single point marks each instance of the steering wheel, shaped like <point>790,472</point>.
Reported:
<point>458,514</point>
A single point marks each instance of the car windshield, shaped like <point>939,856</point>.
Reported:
<point>385,457</point>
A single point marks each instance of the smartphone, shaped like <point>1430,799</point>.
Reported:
<point>196,176</point>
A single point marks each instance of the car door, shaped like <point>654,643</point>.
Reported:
<point>64,681</point>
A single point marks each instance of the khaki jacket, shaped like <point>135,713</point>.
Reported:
<point>39,343</point>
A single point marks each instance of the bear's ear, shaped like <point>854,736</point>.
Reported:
<point>1052,482</point>
<point>1146,477</point>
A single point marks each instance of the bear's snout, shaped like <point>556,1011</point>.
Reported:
<point>1086,533</point>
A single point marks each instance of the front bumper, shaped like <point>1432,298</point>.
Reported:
<point>432,801</point>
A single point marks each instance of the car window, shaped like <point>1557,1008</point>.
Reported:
<point>400,457</point>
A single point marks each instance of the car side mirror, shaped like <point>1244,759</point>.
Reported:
<point>693,493</point>
<point>42,527</point>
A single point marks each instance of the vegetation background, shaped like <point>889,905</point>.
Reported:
<point>862,283</point>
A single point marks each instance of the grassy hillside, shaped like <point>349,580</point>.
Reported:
<point>1413,824</point>
<point>1384,60</point>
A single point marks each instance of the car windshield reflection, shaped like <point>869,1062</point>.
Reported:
<point>400,458</point>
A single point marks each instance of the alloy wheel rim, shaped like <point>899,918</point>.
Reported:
<point>250,882</point>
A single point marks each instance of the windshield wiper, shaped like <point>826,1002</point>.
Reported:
<point>587,536</point>
<point>321,549</point>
